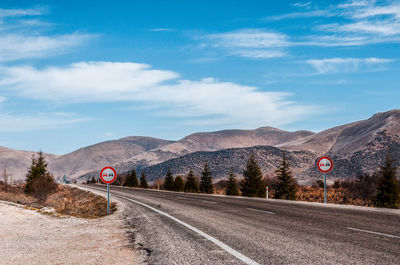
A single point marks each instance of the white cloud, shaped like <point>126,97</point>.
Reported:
<point>368,22</point>
<point>18,46</point>
<point>11,122</point>
<point>251,43</point>
<point>258,53</point>
<point>19,41</point>
<point>343,65</point>
<point>225,102</point>
<point>374,22</point>
<point>162,30</point>
<point>307,14</point>
<point>249,38</point>
<point>301,4</point>
<point>21,12</point>
<point>354,3</point>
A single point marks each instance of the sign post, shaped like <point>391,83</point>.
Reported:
<point>325,165</point>
<point>266,192</point>
<point>108,175</point>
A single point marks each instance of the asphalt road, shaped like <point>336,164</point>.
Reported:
<point>181,228</point>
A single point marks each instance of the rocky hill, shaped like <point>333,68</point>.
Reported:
<point>17,162</point>
<point>212,141</point>
<point>83,160</point>
<point>355,147</point>
<point>223,161</point>
<point>96,156</point>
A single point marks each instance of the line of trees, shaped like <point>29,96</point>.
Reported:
<point>190,183</point>
<point>382,188</point>
<point>252,184</point>
<point>131,180</point>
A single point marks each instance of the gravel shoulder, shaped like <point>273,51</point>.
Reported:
<point>28,237</point>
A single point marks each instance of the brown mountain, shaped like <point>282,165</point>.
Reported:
<point>212,141</point>
<point>17,162</point>
<point>83,160</point>
<point>107,153</point>
<point>358,147</point>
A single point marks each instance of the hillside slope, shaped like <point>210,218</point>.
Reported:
<point>107,153</point>
<point>17,161</point>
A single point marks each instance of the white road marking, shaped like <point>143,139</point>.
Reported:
<point>222,245</point>
<point>209,201</point>
<point>261,211</point>
<point>372,232</point>
<point>182,198</point>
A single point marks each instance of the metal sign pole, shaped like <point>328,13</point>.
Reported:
<point>108,198</point>
<point>325,199</point>
<point>266,192</point>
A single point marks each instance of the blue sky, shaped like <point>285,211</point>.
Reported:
<point>74,73</point>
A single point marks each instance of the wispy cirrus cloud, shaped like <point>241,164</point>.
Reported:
<point>301,4</point>
<point>227,102</point>
<point>306,14</point>
<point>11,122</point>
<point>17,46</point>
<point>251,43</point>
<point>18,41</point>
<point>4,13</point>
<point>360,23</point>
<point>345,65</point>
<point>162,30</point>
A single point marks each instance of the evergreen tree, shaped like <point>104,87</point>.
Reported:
<point>206,185</point>
<point>179,184</point>
<point>252,185</point>
<point>39,182</point>
<point>131,179</point>
<point>388,193</point>
<point>191,184</point>
<point>232,188</point>
<point>285,187</point>
<point>169,181</point>
<point>143,181</point>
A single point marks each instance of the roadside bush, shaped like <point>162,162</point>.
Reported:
<point>39,182</point>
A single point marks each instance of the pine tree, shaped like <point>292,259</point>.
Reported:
<point>286,186</point>
<point>143,181</point>
<point>232,187</point>
<point>39,182</point>
<point>388,193</point>
<point>131,179</point>
<point>191,184</point>
<point>252,185</point>
<point>179,184</point>
<point>169,181</point>
<point>206,185</point>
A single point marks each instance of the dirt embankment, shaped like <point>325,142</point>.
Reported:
<point>58,236</point>
<point>29,237</point>
<point>66,201</point>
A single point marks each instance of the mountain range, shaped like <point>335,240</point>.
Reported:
<point>358,147</point>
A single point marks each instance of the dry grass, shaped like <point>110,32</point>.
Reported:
<point>334,195</point>
<point>66,201</point>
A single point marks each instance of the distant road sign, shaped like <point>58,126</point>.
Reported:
<point>325,164</point>
<point>108,175</point>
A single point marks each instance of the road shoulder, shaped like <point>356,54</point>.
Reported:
<point>29,237</point>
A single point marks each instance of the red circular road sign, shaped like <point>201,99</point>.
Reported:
<point>108,175</point>
<point>325,164</point>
